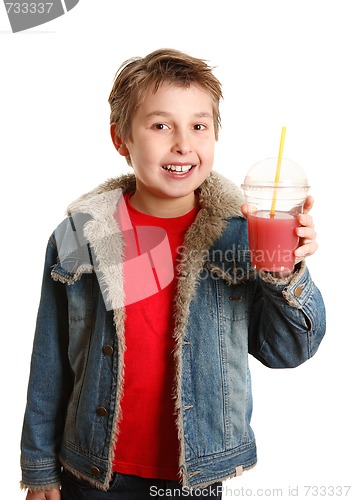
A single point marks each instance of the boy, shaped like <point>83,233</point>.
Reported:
<point>139,380</point>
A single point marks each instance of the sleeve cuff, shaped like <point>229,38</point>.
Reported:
<point>287,280</point>
<point>296,286</point>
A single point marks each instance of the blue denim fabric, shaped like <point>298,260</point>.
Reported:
<point>128,487</point>
<point>231,313</point>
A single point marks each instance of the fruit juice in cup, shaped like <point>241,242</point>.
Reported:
<point>272,226</point>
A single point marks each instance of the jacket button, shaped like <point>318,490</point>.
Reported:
<point>298,291</point>
<point>102,411</point>
<point>235,298</point>
<point>108,350</point>
<point>95,471</point>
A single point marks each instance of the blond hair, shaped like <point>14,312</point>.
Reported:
<point>136,76</point>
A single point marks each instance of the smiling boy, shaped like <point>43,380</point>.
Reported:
<point>150,389</point>
<point>171,147</point>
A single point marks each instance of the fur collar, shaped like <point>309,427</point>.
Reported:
<point>219,200</point>
<point>218,196</point>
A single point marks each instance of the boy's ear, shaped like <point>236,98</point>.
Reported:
<point>118,142</point>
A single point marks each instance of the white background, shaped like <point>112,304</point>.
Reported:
<point>281,63</point>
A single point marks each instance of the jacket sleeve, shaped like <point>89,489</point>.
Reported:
<point>287,321</point>
<point>49,385</point>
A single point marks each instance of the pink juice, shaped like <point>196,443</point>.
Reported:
<point>272,240</point>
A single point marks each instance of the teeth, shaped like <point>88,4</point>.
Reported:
<point>177,168</point>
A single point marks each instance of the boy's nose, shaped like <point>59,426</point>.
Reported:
<point>182,144</point>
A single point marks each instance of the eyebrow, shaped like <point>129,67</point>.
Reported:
<point>200,114</point>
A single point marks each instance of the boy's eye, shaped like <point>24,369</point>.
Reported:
<point>160,126</point>
<point>199,126</point>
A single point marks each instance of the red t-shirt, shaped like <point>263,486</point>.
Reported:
<point>147,443</point>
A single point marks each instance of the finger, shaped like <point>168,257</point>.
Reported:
<point>308,204</point>
<point>305,220</point>
<point>306,232</point>
<point>306,249</point>
<point>244,209</point>
<point>247,208</point>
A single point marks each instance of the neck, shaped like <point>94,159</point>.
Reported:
<point>163,207</point>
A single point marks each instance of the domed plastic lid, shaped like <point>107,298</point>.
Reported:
<point>262,175</point>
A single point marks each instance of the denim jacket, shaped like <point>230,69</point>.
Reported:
<point>223,312</point>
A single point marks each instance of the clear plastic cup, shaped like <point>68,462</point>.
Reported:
<point>272,234</point>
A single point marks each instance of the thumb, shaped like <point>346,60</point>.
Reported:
<point>247,208</point>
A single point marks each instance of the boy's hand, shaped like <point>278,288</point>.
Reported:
<point>53,494</point>
<point>307,242</point>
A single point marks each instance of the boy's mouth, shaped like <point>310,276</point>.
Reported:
<point>178,169</point>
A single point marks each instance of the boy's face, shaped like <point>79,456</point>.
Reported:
<point>171,144</point>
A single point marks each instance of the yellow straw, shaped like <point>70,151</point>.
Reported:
<point>278,170</point>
